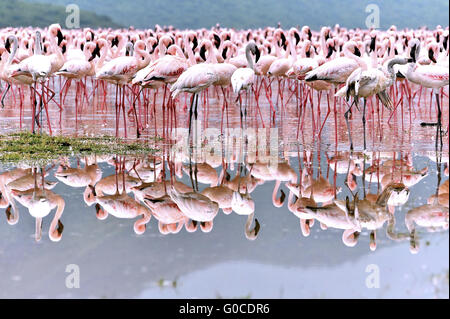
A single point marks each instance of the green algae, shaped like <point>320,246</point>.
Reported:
<point>28,148</point>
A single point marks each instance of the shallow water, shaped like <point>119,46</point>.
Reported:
<point>281,262</point>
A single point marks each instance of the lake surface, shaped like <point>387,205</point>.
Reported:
<point>218,259</point>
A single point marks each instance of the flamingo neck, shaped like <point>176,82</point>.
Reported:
<point>13,53</point>
<point>323,45</point>
<point>303,51</point>
<point>356,58</point>
<point>120,46</point>
<point>52,232</point>
<point>211,55</point>
<point>140,53</point>
<point>179,51</point>
<point>191,57</point>
<point>277,48</point>
<point>162,50</point>
<point>374,59</point>
<point>38,44</point>
<point>38,229</point>
<point>249,58</point>
<point>293,49</point>
<point>101,61</point>
<point>290,204</point>
<point>56,49</point>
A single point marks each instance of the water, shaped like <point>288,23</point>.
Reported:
<point>114,262</point>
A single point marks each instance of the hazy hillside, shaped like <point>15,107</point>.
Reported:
<point>20,13</point>
<point>255,13</point>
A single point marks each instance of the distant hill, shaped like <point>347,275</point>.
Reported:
<point>260,13</point>
<point>20,13</point>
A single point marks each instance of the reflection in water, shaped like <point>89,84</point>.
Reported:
<point>350,191</point>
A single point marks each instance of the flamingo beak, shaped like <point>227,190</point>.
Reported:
<point>115,42</point>
<point>202,53</point>
<point>60,228</point>
<point>8,213</point>
<point>330,51</point>
<point>60,37</point>
<point>413,53</point>
<point>217,41</point>
<point>8,45</point>
<point>297,38</point>
<point>431,55</point>
<point>257,54</point>
<point>224,53</point>
<point>372,44</point>
<point>194,43</point>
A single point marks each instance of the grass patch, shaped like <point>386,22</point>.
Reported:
<point>41,149</point>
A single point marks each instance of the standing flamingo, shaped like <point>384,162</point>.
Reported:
<point>120,72</point>
<point>244,78</point>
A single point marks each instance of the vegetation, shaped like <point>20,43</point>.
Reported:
<point>16,13</point>
<point>41,149</point>
<point>261,13</point>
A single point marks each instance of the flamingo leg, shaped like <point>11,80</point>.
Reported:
<point>4,94</point>
<point>346,114</point>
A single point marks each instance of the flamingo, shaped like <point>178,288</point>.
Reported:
<point>366,82</point>
<point>38,68</point>
<point>243,78</point>
<point>86,177</point>
<point>170,218</point>
<point>194,80</point>
<point>123,206</point>
<point>196,206</point>
<point>431,216</point>
<point>39,203</point>
<point>166,70</point>
<point>432,76</point>
<point>7,200</point>
<point>337,71</point>
<point>120,71</point>
<point>223,70</point>
<point>120,204</point>
<point>76,69</point>
<point>222,195</point>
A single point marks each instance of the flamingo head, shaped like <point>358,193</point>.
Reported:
<point>206,227</point>
<point>215,39</point>
<point>89,195</point>
<point>352,46</point>
<point>56,31</point>
<point>414,46</point>
<point>89,35</point>
<point>293,32</point>
<point>433,49</point>
<point>331,47</point>
<point>94,52</point>
<point>307,32</point>
<point>10,40</point>
<point>56,234</point>
<point>254,50</point>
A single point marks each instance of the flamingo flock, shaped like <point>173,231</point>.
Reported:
<point>151,77</point>
<point>394,67</point>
